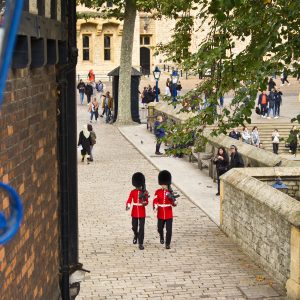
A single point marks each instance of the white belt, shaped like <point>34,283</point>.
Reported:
<point>164,205</point>
<point>137,204</point>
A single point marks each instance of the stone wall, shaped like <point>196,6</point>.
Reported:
<point>29,264</point>
<point>260,218</point>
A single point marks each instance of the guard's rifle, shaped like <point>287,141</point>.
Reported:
<point>172,195</point>
<point>143,195</point>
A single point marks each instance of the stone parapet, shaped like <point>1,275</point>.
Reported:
<point>264,222</point>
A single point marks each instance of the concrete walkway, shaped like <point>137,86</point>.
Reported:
<point>202,262</point>
<point>195,184</point>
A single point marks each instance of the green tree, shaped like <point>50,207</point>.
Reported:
<point>270,32</point>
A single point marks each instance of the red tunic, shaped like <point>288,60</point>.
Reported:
<point>163,205</point>
<point>138,209</point>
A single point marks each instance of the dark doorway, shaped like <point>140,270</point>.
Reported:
<point>145,60</point>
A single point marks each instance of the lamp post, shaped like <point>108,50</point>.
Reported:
<point>156,74</point>
<point>174,79</point>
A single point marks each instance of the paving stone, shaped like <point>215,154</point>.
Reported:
<point>202,263</point>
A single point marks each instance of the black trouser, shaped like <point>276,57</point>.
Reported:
<point>157,146</point>
<point>88,98</point>
<point>220,173</point>
<point>160,228</point>
<point>138,229</point>
<point>275,148</point>
<point>277,109</point>
<point>263,109</point>
<point>293,147</point>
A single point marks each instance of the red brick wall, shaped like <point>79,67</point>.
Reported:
<point>29,264</point>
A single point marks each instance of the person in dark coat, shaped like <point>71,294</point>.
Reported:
<point>222,161</point>
<point>293,140</point>
<point>278,102</point>
<point>85,142</point>
<point>236,160</point>
<point>81,89</point>
<point>235,134</point>
<point>263,100</point>
<point>271,84</point>
<point>89,92</point>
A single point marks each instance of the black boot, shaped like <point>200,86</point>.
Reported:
<point>168,247</point>
<point>141,247</point>
<point>162,240</point>
<point>134,239</point>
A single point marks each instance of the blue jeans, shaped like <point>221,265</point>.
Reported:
<point>81,95</point>
<point>273,109</point>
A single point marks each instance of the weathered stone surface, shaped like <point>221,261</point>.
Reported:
<point>259,218</point>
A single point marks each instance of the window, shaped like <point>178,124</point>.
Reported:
<point>107,48</point>
<point>85,47</point>
<point>145,40</point>
<point>109,4</point>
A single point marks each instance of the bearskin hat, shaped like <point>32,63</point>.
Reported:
<point>138,179</point>
<point>164,178</point>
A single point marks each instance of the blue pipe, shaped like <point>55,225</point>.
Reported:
<point>10,226</point>
<point>12,12</point>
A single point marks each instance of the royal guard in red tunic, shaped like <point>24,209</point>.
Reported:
<point>163,202</point>
<point>138,198</point>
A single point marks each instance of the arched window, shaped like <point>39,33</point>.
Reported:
<point>107,47</point>
<point>85,47</point>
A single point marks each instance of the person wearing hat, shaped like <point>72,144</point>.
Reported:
<point>138,198</point>
<point>162,204</point>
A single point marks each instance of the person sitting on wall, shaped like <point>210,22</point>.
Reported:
<point>235,134</point>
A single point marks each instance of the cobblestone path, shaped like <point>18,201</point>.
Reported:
<point>202,263</point>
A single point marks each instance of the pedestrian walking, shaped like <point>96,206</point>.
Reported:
<point>162,204</point>
<point>107,106</point>
<point>84,143</point>
<point>99,89</point>
<point>263,103</point>
<point>236,160</point>
<point>91,76</point>
<point>159,132</point>
<point>89,92</point>
<point>293,140</point>
<point>275,141</point>
<point>168,86</point>
<point>284,76</point>
<point>246,137</point>
<point>93,140</point>
<point>222,161</point>
<point>255,139</point>
<point>235,134</point>
<point>93,109</point>
<point>278,102</point>
<point>138,198</point>
<point>81,89</point>
<point>271,84</point>
<point>271,103</point>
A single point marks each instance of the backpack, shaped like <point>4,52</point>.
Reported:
<point>93,138</point>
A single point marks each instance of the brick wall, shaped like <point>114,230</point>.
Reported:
<point>29,264</point>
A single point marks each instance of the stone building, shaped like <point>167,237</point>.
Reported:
<point>99,43</point>
<point>36,133</point>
